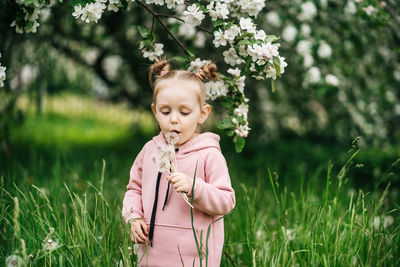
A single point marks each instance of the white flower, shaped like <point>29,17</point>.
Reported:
<point>332,80</point>
<point>231,58</point>
<point>308,60</point>
<point>305,30</point>
<point>50,244</point>
<point>196,64</point>
<point>18,29</point>
<point>387,221</point>
<point>193,15</point>
<point>273,18</point>
<point>200,40</point>
<point>308,11</point>
<point>215,89</point>
<point>219,38</point>
<point>376,222</point>
<point>111,66</point>
<point>323,3</point>
<point>289,33</point>
<point>313,75</point>
<point>262,53</point>
<point>243,51</point>
<point>94,11</point>
<point>114,5</point>
<point>271,72</point>
<point>234,72</point>
<point>2,75</point>
<point>242,130</point>
<point>231,33</point>
<point>290,234</point>
<point>153,55</point>
<point>186,30</point>
<point>245,3</point>
<point>240,84</point>
<point>14,261</point>
<point>303,47</point>
<point>247,24</point>
<point>396,75</point>
<point>157,2</point>
<point>221,10</point>
<point>282,65</point>
<point>260,35</point>
<point>350,8</point>
<point>173,3</point>
<point>242,110</point>
<point>32,16</point>
<point>252,7</point>
<point>369,10</point>
<point>324,50</point>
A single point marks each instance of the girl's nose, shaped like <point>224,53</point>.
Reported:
<point>174,117</point>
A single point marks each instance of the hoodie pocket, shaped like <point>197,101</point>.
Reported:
<point>167,240</point>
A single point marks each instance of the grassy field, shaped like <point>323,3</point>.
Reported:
<point>298,203</point>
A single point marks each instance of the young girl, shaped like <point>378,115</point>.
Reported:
<point>154,204</point>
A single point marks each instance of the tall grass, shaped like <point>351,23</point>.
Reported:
<point>313,225</point>
<point>276,227</point>
<point>60,204</point>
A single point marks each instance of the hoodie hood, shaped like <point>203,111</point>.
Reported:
<point>199,142</point>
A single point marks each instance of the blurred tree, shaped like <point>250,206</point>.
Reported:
<point>343,57</point>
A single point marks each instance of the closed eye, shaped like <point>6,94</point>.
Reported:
<point>165,112</point>
<point>185,113</point>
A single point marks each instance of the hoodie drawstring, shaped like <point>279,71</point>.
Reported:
<point>153,212</point>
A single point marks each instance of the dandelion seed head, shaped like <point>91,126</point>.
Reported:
<point>50,244</point>
<point>172,138</point>
<point>14,261</point>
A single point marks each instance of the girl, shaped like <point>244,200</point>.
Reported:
<point>159,216</point>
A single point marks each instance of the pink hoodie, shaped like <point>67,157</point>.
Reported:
<point>213,197</point>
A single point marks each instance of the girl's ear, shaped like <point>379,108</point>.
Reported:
<point>204,112</point>
<point>153,108</point>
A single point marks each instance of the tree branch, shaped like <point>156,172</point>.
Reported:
<point>177,18</point>
<point>165,27</point>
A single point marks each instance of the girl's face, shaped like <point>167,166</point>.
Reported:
<point>177,108</point>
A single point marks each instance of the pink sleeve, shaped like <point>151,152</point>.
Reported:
<point>132,203</point>
<point>214,195</point>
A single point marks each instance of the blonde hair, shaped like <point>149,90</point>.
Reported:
<point>163,72</point>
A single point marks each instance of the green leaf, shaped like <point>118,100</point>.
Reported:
<point>228,25</point>
<point>277,63</point>
<point>245,42</point>
<point>180,59</point>
<point>248,63</point>
<point>218,23</point>
<point>230,132</point>
<point>191,55</point>
<point>271,38</point>
<point>225,124</point>
<point>27,2</point>
<point>273,85</point>
<point>143,31</point>
<point>239,145</point>
<point>146,42</point>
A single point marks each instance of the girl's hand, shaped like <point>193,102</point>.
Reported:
<point>139,231</point>
<point>180,181</point>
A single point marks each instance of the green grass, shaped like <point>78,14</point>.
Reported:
<point>55,185</point>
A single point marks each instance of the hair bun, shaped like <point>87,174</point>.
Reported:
<point>160,68</point>
<point>208,71</point>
